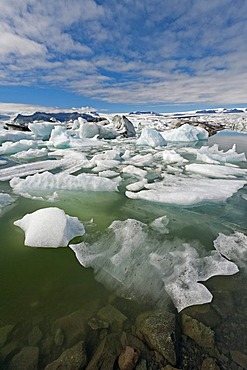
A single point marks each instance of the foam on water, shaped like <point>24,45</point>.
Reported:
<point>49,227</point>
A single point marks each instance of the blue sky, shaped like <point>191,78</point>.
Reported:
<point>162,55</point>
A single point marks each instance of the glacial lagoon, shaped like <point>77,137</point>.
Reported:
<point>40,285</point>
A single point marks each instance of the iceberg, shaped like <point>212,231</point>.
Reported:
<point>172,157</point>
<point>185,132</point>
<point>41,130</point>
<point>31,154</point>
<point>151,137</point>
<point>47,183</point>
<point>49,227</point>
<point>14,136</point>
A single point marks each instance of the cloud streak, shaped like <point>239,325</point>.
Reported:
<point>141,52</point>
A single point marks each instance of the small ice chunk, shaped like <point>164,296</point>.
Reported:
<point>49,227</point>
<point>214,155</point>
<point>59,137</point>
<point>185,132</point>
<point>136,186</point>
<point>108,173</point>
<point>88,130</point>
<point>151,137</point>
<point>3,162</point>
<point>171,156</point>
<point>160,223</point>
<point>134,171</point>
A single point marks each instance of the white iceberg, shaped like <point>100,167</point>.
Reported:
<point>172,157</point>
<point>151,137</point>
<point>49,227</point>
<point>42,130</point>
<point>185,132</point>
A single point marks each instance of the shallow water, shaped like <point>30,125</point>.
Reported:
<point>49,283</point>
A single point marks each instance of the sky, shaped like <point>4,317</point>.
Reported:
<point>159,55</point>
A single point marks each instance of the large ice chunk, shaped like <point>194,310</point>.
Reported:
<point>42,130</point>
<point>185,191</point>
<point>151,137</point>
<point>185,132</point>
<point>6,135</point>
<point>49,227</point>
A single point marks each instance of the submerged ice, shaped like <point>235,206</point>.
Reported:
<point>138,262</point>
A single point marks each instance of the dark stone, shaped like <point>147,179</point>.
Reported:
<point>35,336</point>
<point>159,330</point>
<point>113,317</point>
<point>73,358</point>
<point>240,358</point>
<point>4,333</point>
<point>61,116</point>
<point>106,354</point>
<point>26,359</point>
<point>73,326</point>
<point>209,364</point>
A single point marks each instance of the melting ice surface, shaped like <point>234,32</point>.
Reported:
<point>138,262</point>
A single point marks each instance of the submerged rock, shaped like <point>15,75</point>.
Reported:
<point>159,330</point>
<point>106,354</point>
<point>197,331</point>
<point>113,317</point>
<point>4,333</point>
<point>73,358</point>
<point>26,359</point>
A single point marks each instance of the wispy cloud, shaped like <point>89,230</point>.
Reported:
<point>132,51</point>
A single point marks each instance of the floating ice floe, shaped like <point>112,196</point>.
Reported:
<point>5,200</point>
<point>185,132</point>
<point>47,183</point>
<point>11,148</point>
<point>30,168</point>
<point>214,155</point>
<point>3,162</point>
<point>216,171</point>
<point>187,191</point>
<point>138,264</point>
<point>6,135</point>
<point>233,247</point>
<point>151,137</point>
<point>49,227</point>
<point>172,157</point>
<point>134,171</point>
<point>31,154</point>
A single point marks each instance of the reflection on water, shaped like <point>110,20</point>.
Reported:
<point>44,284</point>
